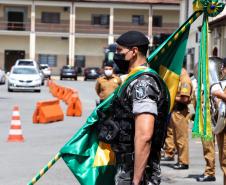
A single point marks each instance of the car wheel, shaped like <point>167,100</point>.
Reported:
<point>39,90</point>
<point>10,90</point>
<point>75,78</point>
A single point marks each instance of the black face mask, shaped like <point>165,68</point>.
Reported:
<point>123,65</point>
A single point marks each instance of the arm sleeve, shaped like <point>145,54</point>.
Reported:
<point>216,87</point>
<point>145,95</point>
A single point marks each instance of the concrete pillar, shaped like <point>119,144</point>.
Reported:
<point>72,35</point>
<point>150,27</point>
<point>32,33</point>
<point>183,11</point>
<point>209,43</point>
<point>111,27</point>
<point>221,41</point>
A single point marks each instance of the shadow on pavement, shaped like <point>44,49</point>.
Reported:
<point>193,176</point>
<point>170,165</point>
<point>167,180</point>
<point>4,98</point>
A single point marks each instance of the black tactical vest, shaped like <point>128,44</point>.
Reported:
<point>119,128</point>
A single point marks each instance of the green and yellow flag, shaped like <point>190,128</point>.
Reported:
<point>168,58</point>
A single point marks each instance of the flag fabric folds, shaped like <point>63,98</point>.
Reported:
<point>202,122</point>
<point>168,58</point>
<point>80,153</point>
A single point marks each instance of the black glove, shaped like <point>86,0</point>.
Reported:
<point>107,128</point>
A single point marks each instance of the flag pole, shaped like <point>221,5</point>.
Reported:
<point>45,169</point>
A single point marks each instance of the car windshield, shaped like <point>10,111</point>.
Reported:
<point>43,67</point>
<point>93,68</point>
<point>25,63</point>
<point>67,67</point>
<point>26,71</point>
<point>216,60</point>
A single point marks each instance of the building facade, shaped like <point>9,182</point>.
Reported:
<point>217,37</point>
<point>76,32</point>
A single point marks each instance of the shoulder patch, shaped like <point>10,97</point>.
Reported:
<point>140,92</point>
<point>141,89</point>
<point>185,88</point>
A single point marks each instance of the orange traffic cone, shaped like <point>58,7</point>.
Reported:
<point>15,132</point>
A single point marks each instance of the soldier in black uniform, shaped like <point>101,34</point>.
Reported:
<point>136,128</point>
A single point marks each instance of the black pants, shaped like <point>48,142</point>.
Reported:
<point>124,175</point>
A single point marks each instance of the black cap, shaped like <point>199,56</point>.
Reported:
<point>132,38</point>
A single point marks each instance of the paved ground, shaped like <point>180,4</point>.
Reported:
<point>21,161</point>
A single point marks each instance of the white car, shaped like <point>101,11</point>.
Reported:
<point>2,76</point>
<point>46,70</point>
<point>25,78</point>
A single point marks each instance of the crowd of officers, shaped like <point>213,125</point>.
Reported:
<point>176,142</point>
<point>177,139</point>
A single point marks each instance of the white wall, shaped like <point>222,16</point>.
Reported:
<point>192,38</point>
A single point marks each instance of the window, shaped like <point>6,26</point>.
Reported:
<point>16,17</point>
<point>157,21</point>
<point>50,17</point>
<point>197,37</point>
<point>25,71</point>
<point>100,19</point>
<point>15,20</point>
<point>51,60</point>
<point>80,60</point>
<point>138,19</point>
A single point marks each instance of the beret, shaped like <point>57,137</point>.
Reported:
<point>132,38</point>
